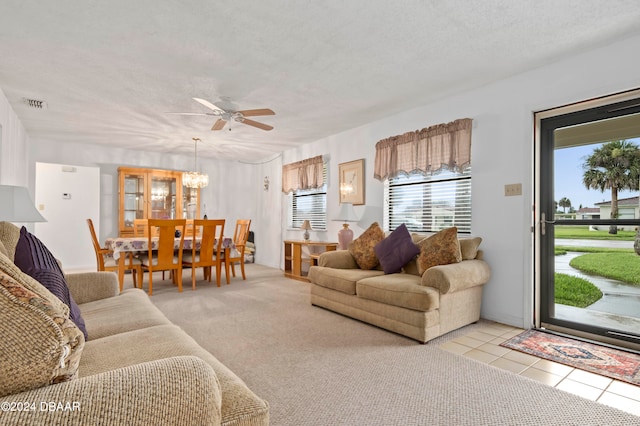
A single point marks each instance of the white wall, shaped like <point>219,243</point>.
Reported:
<point>502,153</point>
<point>14,144</point>
<point>267,222</point>
<point>66,196</point>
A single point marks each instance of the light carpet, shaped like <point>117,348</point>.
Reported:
<point>316,367</point>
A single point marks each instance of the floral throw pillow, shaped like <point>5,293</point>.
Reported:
<point>363,248</point>
<point>441,248</point>
<point>41,346</point>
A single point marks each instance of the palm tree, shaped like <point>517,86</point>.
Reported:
<point>564,203</point>
<point>615,166</point>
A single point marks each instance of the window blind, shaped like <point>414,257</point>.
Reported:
<point>309,204</point>
<point>429,203</point>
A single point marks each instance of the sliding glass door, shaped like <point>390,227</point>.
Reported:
<point>588,213</point>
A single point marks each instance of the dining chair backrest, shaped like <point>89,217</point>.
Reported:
<point>191,229</point>
<point>165,253</point>
<point>211,232</point>
<point>141,228</point>
<point>240,237</point>
<point>241,234</point>
<point>100,252</point>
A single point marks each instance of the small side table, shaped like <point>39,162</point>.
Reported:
<point>293,256</point>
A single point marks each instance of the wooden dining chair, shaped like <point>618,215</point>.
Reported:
<point>210,252</point>
<point>106,262</point>
<point>191,229</point>
<point>166,257</point>
<point>141,228</point>
<point>240,236</point>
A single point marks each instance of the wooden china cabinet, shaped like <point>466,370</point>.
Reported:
<point>153,194</point>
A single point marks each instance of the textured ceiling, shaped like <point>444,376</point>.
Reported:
<point>110,71</point>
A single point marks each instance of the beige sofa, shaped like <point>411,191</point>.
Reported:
<point>444,298</point>
<point>136,368</point>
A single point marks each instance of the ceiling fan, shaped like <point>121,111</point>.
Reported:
<point>228,115</point>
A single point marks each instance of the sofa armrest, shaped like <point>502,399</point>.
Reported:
<point>89,286</point>
<point>457,276</point>
<point>337,259</point>
<point>178,390</point>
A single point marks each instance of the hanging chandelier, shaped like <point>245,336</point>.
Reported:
<point>194,179</point>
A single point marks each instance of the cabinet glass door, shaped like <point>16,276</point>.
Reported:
<point>133,198</point>
<point>163,197</point>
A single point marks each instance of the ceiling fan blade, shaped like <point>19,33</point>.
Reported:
<point>255,112</point>
<point>256,124</point>
<point>219,124</point>
<point>209,105</point>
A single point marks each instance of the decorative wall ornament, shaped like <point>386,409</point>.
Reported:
<point>351,176</point>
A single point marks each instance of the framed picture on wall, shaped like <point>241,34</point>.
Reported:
<point>352,182</point>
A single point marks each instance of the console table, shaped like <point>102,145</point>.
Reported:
<point>293,256</point>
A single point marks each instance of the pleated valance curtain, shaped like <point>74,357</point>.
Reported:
<point>427,151</point>
<point>305,174</point>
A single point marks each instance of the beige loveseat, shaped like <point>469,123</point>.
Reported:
<point>422,307</point>
<point>136,368</point>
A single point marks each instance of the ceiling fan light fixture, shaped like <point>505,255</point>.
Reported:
<point>195,179</point>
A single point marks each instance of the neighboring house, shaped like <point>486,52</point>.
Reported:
<point>628,208</point>
<point>588,213</point>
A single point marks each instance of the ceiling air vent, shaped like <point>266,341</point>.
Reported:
<point>34,103</point>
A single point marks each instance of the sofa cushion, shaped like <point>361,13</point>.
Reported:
<point>396,250</point>
<point>363,248</point>
<point>35,259</point>
<point>130,310</point>
<point>469,247</point>
<point>441,248</point>
<point>403,290</point>
<point>40,345</point>
<point>3,249</point>
<point>342,280</point>
<point>240,406</point>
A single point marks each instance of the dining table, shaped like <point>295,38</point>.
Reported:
<point>123,245</point>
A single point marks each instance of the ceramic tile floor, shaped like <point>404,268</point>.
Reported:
<point>483,346</point>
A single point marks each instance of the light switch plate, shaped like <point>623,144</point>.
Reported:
<point>512,189</point>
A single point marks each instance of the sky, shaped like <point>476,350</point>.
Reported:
<point>568,177</point>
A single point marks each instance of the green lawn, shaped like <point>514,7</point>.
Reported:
<point>582,232</point>
<point>615,263</point>
<point>623,267</point>
<point>574,291</point>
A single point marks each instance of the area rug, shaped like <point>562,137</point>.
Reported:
<point>609,362</point>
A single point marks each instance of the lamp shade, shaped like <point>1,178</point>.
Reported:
<point>16,205</point>
<point>306,225</point>
<point>347,213</point>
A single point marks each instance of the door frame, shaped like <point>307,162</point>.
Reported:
<point>542,246</point>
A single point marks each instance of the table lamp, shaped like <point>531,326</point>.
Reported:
<point>16,205</point>
<point>345,235</point>
<point>306,225</point>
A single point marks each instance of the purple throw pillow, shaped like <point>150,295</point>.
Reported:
<point>396,250</point>
<point>34,259</point>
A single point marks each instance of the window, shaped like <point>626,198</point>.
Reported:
<point>309,204</point>
<point>429,203</point>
